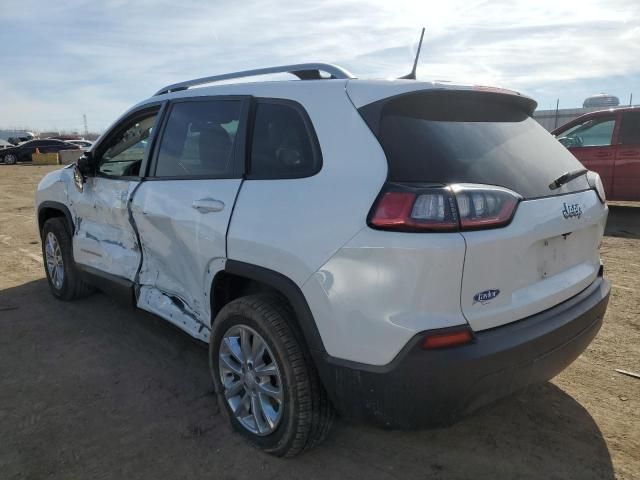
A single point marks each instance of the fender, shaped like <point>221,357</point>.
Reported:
<point>120,288</point>
<point>47,204</point>
<point>290,290</point>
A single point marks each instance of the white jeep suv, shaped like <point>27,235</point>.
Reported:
<point>400,252</point>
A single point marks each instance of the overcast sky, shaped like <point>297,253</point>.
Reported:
<point>63,58</point>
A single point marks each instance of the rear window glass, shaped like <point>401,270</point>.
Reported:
<point>449,137</point>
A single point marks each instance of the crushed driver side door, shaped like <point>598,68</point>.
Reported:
<point>105,241</point>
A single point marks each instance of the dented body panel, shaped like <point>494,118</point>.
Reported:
<point>53,186</point>
<point>183,246</point>
<point>104,236</point>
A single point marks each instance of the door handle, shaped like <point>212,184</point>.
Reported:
<point>629,153</point>
<point>206,205</point>
<point>603,154</point>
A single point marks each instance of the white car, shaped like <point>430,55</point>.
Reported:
<point>400,252</point>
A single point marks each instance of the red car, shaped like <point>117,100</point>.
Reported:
<point>608,142</point>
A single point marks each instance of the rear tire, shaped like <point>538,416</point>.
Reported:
<point>63,276</point>
<point>305,415</point>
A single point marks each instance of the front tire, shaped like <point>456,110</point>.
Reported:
<point>266,386</point>
<point>10,159</point>
<point>64,279</point>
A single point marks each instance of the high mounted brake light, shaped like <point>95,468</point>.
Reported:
<point>413,208</point>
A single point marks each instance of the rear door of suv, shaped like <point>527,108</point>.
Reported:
<point>182,209</point>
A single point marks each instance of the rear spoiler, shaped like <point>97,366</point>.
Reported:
<point>365,92</point>
<point>451,105</point>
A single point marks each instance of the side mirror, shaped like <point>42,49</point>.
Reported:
<point>570,142</point>
<point>85,164</point>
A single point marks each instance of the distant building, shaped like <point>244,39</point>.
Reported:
<point>602,100</point>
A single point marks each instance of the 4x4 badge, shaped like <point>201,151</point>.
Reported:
<point>573,210</point>
<point>486,296</point>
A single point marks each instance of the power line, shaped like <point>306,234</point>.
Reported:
<point>86,126</point>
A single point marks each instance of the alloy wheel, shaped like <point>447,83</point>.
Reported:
<point>53,257</point>
<point>251,380</point>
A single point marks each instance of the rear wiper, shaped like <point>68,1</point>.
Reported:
<point>567,177</point>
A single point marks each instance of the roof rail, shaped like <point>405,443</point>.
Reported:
<point>304,71</point>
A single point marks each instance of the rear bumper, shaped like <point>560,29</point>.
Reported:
<point>427,388</point>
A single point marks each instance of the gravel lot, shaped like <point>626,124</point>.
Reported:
<point>94,389</point>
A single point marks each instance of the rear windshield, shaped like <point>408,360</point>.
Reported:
<point>469,137</point>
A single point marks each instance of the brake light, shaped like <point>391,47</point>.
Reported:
<point>484,207</point>
<point>447,339</point>
<point>595,182</point>
<point>443,209</point>
<point>414,211</point>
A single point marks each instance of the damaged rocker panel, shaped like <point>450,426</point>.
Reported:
<point>173,309</point>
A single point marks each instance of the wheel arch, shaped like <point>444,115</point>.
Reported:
<point>240,278</point>
<point>49,209</point>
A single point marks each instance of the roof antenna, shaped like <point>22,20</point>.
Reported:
<point>412,75</point>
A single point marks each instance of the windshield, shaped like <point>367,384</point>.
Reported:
<point>469,137</point>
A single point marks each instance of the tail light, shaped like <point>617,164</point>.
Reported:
<point>595,182</point>
<point>412,208</point>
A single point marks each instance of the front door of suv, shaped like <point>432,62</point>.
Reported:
<point>105,239</point>
<point>626,178</point>
<point>183,208</point>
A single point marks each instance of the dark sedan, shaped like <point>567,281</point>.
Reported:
<point>23,152</point>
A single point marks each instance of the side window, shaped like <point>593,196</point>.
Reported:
<point>122,155</point>
<point>199,139</point>
<point>592,133</point>
<point>283,144</point>
<point>630,129</point>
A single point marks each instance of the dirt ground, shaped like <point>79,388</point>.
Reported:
<point>93,389</point>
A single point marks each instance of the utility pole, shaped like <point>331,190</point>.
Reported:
<point>557,105</point>
<point>86,126</point>
<point>631,99</point>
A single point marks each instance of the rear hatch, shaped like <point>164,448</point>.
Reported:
<point>546,251</point>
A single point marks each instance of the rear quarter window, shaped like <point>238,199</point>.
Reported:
<point>284,144</point>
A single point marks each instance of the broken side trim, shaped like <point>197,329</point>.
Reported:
<point>118,287</point>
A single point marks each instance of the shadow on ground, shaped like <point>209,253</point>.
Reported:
<point>623,221</point>
<point>93,389</point>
